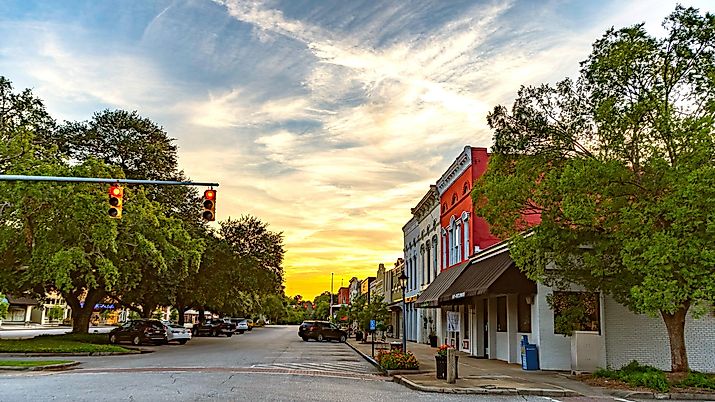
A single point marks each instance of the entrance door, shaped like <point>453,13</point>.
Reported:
<point>485,305</point>
<point>465,346</point>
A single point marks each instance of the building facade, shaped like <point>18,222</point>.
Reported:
<point>427,216</point>
<point>412,269</point>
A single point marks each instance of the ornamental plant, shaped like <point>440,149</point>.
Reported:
<point>397,360</point>
<point>442,351</point>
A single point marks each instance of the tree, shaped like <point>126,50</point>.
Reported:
<point>621,166</point>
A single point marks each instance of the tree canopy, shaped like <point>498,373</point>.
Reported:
<point>620,163</point>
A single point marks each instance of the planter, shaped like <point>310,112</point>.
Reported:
<point>433,341</point>
<point>442,367</point>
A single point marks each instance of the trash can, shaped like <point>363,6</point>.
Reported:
<point>395,345</point>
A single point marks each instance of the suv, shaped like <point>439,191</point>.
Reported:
<point>213,327</point>
<point>139,331</point>
<point>321,331</point>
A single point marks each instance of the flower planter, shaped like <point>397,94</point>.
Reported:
<point>442,367</point>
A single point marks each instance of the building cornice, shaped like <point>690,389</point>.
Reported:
<point>459,166</point>
<point>427,203</point>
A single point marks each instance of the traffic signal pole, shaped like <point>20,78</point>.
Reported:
<point>59,179</point>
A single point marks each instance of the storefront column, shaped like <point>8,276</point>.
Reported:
<point>479,329</point>
<point>512,326</point>
<point>28,314</point>
<point>492,328</point>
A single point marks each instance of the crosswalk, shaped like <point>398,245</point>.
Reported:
<point>355,367</point>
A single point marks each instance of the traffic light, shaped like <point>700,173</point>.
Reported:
<point>116,201</point>
<point>209,204</point>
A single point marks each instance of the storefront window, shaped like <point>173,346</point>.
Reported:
<point>501,314</point>
<point>524,313</point>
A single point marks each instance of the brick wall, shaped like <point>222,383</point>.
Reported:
<point>632,336</point>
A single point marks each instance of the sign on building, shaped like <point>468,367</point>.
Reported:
<point>453,321</point>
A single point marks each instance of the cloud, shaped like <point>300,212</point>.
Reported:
<point>327,122</point>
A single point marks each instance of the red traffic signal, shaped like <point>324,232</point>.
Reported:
<point>116,201</point>
<point>209,205</point>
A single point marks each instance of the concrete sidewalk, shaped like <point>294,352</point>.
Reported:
<point>480,376</point>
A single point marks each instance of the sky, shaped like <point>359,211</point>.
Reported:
<point>326,119</point>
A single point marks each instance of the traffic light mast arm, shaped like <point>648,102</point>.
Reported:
<point>59,179</point>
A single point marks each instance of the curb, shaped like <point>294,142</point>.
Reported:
<point>486,391</point>
<point>655,395</point>
<point>60,354</point>
<point>366,357</point>
<point>59,366</point>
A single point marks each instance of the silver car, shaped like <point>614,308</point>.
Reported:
<point>177,333</point>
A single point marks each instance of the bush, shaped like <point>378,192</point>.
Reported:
<point>698,380</point>
<point>396,360</point>
<point>637,375</point>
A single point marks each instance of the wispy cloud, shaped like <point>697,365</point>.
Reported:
<point>329,122</point>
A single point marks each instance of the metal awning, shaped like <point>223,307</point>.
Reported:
<point>430,296</point>
<point>496,274</point>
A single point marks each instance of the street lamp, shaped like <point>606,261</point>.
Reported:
<point>403,284</point>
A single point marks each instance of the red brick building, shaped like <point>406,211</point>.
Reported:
<point>463,233</point>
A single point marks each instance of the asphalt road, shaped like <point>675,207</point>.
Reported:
<point>269,363</point>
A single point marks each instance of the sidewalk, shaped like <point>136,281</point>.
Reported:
<point>481,376</point>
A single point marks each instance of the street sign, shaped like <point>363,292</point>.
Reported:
<point>373,325</point>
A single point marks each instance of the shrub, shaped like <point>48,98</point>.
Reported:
<point>698,380</point>
<point>396,360</point>
<point>637,375</point>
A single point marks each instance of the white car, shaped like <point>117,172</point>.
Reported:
<point>242,326</point>
<point>177,333</point>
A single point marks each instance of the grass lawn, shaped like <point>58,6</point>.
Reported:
<point>30,363</point>
<point>67,343</point>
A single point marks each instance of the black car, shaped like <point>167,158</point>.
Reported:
<point>213,327</point>
<point>321,331</point>
<point>139,331</point>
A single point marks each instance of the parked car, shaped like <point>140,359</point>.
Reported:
<point>251,324</point>
<point>213,327</point>
<point>139,331</point>
<point>241,324</point>
<point>177,333</point>
<point>321,331</point>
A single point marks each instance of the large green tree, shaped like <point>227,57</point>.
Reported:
<point>620,164</point>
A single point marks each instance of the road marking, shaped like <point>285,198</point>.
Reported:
<point>551,399</point>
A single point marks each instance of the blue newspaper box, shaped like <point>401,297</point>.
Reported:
<point>529,355</point>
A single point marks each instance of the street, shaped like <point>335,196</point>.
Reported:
<point>269,363</point>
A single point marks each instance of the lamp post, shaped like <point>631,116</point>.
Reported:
<point>403,284</point>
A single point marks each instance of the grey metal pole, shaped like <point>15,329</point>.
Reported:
<point>331,296</point>
<point>404,322</point>
<point>60,179</point>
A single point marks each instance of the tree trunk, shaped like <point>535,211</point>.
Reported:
<point>202,315</point>
<point>147,310</point>
<point>675,324</point>
<point>181,309</point>
<point>82,314</point>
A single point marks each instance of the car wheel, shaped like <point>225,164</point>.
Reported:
<point>215,333</point>
<point>305,338</point>
<point>229,334</point>
<point>136,341</point>
<point>113,339</point>
<point>320,338</point>
<point>342,339</point>
<point>240,332</point>
<point>183,341</point>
